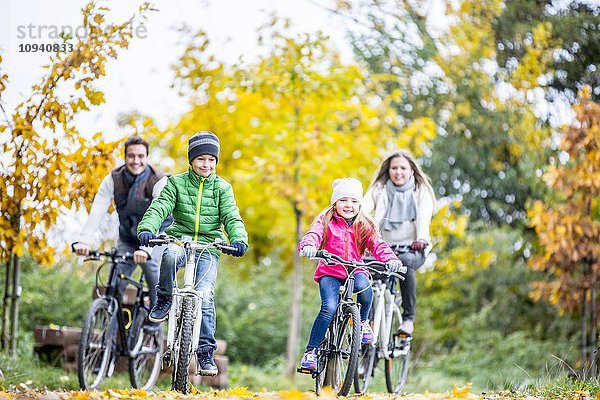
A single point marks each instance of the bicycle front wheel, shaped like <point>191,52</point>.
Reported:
<point>181,372</point>
<point>342,363</point>
<point>94,345</point>
<point>396,365</point>
<point>145,349</point>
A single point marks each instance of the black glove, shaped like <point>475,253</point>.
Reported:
<point>240,249</point>
<point>145,237</point>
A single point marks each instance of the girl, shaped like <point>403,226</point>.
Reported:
<point>403,201</point>
<point>343,229</point>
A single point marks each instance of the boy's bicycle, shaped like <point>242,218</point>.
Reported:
<point>337,355</point>
<point>185,316</point>
<point>389,344</point>
<point>110,330</point>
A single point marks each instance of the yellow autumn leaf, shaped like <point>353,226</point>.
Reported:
<point>461,392</point>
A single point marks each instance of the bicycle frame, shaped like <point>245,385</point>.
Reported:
<point>188,290</point>
<point>385,307</point>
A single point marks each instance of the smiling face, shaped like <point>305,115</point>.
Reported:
<point>136,158</point>
<point>204,165</point>
<point>400,171</point>
<point>347,207</point>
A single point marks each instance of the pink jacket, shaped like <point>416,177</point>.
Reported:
<point>340,241</point>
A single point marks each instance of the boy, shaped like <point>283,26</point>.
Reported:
<point>201,203</point>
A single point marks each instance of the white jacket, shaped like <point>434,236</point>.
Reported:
<point>376,202</point>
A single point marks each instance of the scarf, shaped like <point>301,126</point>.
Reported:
<point>401,204</point>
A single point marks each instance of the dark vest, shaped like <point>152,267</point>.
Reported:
<point>131,207</point>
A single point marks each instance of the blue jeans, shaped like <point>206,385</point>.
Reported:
<point>206,275</point>
<point>150,269</point>
<point>329,288</point>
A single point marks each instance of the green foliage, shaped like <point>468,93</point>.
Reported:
<point>575,32</point>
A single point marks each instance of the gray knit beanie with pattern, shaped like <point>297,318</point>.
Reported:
<point>203,142</point>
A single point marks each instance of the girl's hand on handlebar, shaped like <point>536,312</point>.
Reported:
<point>308,251</point>
<point>394,266</point>
<point>140,256</point>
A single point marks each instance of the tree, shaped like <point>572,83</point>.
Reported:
<point>289,124</point>
<point>45,165</point>
<point>575,36</point>
<point>484,116</point>
<point>568,228</point>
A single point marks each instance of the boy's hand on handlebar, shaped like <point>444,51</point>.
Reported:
<point>308,251</point>
<point>418,245</point>
<point>394,266</point>
<point>81,249</point>
<point>140,256</point>
<point>240,249</point>
<point>145,238</point>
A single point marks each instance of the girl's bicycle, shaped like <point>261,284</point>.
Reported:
<point>337,355</point>
<point>110,330</point>
<point>185,316</point>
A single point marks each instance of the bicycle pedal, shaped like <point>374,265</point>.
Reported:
<point>305,371</point>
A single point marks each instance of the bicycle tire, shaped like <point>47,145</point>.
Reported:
<point>94,345</point>
<point>367,359</point>
<point>396,365</point>
<point>181,372</point>
<point>337,375</point>
<point>146,347</point>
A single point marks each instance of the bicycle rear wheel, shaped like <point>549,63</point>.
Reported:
<point>396,366</point>
<point>319,374</point>
<point>342,363</point>
<point>364,369</point>
<point>145,349</point>
<point>181,369</point>
<point>94,345</point>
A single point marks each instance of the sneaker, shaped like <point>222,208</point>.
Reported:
<point>206,362</point>
<point>309,360</point>
<point>160,311</point>
<point>407,327</point>
<point>367,333</point>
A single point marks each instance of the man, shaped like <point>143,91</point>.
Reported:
<point>132,187</point>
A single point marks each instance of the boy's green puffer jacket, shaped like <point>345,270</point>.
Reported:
<point>200,206</point>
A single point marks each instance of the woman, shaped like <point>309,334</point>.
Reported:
<point>403,201</point>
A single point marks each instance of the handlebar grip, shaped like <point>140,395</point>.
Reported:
<point>322,253</point>
<point>157,242</point>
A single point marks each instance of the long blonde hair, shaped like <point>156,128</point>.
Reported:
<point>421,178</point>
<point>364,227</point>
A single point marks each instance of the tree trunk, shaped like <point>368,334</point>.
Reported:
<point>16,291</point>
<point>593,345</point>
<point>6,307</point>
<point>584,318</point>
<point>295,309</point>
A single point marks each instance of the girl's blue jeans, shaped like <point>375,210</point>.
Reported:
<point>329,288</point>
<point>206,275</point>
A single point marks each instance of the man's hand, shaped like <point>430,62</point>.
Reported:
<point>145,238</point>
<point>140,256</point>
<point>308,251</point>
<point>418,245</point>
<point>240,249</point>
<point>81,249</point>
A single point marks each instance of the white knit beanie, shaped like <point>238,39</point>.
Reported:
<point>347,187</point>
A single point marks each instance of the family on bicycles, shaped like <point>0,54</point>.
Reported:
<point>198,205</point>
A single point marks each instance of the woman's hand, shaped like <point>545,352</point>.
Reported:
<point>419,245</point>
<point>308,251</point>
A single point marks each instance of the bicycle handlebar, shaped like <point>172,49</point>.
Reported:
<point>218,243</point>
<point>327,257</point>
<point>95,255</point>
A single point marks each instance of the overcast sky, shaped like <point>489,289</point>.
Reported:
<point>140,78</point>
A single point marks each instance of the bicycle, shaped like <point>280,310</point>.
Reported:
<point>185,317</point>
<point>111,330</point>
<point>389,344</point>
<point>337,355</point>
